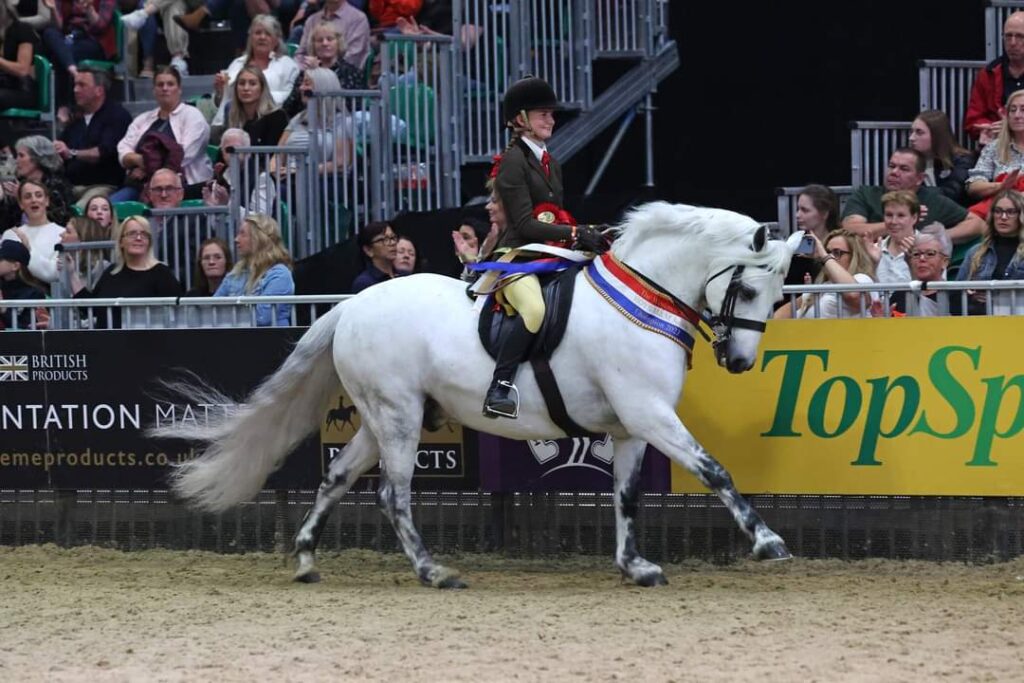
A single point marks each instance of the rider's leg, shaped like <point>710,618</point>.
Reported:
<point>525,296</point>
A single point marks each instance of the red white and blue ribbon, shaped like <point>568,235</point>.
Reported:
<point>640,303</point>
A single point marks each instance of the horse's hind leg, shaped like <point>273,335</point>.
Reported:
<point>629,456</point>
<point>358,456</point>
<point>673,439</point>
<point>398,458</point>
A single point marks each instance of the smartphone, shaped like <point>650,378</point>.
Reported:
<point>806,246</point>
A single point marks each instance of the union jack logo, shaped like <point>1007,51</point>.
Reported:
<point>13,368</point>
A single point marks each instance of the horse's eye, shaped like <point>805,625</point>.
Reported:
<point>746,293</point>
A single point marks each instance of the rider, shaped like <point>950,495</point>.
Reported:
<point>529,184</point>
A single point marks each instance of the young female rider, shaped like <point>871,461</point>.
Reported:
<point>529,184</point>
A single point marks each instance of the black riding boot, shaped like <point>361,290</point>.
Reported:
<point>513,351</point>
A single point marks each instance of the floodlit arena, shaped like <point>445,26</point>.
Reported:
<point>379,340</point>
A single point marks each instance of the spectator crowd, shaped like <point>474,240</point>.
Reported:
<point>944,211</point>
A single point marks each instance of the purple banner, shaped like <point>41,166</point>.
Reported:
<point>578,464</point>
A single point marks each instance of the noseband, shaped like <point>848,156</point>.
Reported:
<point>726,321</point>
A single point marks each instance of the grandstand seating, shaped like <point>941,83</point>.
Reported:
<point>44,110</point>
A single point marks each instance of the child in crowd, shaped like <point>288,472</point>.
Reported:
<point>15,285</point>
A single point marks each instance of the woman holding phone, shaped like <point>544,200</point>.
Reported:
<point>843,261</point>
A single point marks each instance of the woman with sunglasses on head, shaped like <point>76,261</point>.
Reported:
<point>379,244</point>
<point>1000,254</point>
<point>844,261</point>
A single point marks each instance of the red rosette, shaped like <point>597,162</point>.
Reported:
<point>548,212</point>
<point>496,159</point>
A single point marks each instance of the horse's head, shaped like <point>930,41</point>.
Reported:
<point>741,291</point>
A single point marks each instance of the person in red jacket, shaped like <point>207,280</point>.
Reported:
<point>386,13</point>
<point>994,83</point>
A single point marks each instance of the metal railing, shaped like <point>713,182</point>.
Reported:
<point>997,297</point>
<point>420,103</point>
<point>945,84</point>
<point>871,145</point>
<point>995,16</point>
<point>179,232</point>
<point>786,199</point>
<point>502,42</point>
<point>173,312</point>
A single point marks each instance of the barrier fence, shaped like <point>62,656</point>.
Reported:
<point>417,75</point>
<point>786,201</point>
<point>871,145</point>
<point>502,42</point>
<point>508,495</point>
<point>945,84</point>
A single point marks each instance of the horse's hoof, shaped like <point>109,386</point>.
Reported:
<point>308,577</point>
<point>442,577</point>
<point>772,552</point>
<point>651,580</point>
<point>452,582</point>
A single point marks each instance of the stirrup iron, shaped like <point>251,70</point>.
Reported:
<point>513,393</point>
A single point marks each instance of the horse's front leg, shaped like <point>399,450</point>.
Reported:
<point>669,436</point>
<point>629,457</point>
<point>358,456</point>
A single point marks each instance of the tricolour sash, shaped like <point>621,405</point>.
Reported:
<point>640,303</point>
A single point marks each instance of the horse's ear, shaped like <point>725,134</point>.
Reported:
<point>793,241</point>
<point>760,238</point>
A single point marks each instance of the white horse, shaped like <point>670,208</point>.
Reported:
<point>408,354</point>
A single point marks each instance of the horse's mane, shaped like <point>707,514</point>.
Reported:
<point>727,232</point>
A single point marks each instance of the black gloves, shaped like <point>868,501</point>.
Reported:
<point>589,238</point>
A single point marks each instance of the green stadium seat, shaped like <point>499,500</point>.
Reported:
<point>127,209</point>
<point>44,110</point>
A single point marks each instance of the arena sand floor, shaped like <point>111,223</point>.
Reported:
<point>90,614</point>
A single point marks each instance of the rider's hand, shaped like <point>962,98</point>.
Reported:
<point>589,238</point>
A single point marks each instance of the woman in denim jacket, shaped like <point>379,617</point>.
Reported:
<point>1000,255</point>
<point>264,268</point>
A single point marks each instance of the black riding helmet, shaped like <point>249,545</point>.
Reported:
<point>527,94</point>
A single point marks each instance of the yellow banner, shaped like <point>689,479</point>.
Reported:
<point>912,406</point>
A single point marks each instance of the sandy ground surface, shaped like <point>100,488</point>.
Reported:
<point>99,615</point>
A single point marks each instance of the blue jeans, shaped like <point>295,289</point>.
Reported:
<point>67,51</point>
<point>125,194</point>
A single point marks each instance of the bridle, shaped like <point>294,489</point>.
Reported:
<point>726,321</point>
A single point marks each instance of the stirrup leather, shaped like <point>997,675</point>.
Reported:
<point>513,392</point>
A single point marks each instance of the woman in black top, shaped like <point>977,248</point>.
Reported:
<point>134,273</point>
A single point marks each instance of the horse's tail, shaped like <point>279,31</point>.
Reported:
<point>245,446</point>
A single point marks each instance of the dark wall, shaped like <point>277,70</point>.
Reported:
<point>764,93</point>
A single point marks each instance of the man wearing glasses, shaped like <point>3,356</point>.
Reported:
<point>994,83</point>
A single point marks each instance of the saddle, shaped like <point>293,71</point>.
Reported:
<point>495,324</point>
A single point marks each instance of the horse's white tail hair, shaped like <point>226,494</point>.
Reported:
<point>244,447</point>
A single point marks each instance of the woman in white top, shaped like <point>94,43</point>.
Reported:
<point>844,261</point>
<point>900,210</point>
<point>38,234</point>
<point>263,51</point>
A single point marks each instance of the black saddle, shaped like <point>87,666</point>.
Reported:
<point>495,324</point>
